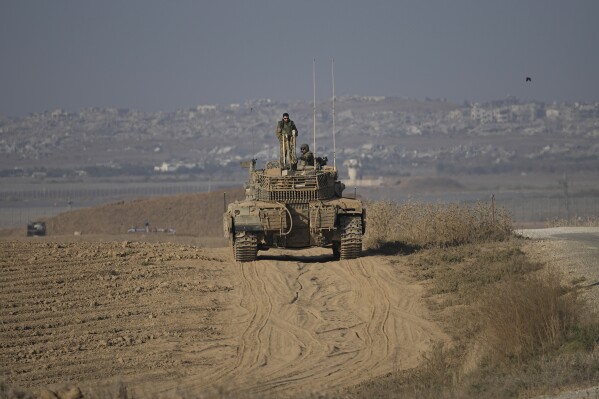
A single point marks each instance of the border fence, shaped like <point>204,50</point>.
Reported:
<point>525,207</point>
<point>21,204</point>
<point>542,209</point>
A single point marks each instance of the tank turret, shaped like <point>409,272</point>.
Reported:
<point>295,206</point>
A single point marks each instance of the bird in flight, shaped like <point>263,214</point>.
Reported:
<point>528,79</point>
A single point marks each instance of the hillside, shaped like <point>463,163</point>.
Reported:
<point>188,214</point>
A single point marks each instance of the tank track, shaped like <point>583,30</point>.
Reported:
<point>336,250</point>
<point>245,248</point>
<point>351,237</point>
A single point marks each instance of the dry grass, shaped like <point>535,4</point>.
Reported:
<point>516,333</point>
<point>464,270</point>
<point>434,225</point>
<point>533,316</point>
<point>517,329</point>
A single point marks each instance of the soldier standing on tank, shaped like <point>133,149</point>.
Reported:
<point>287,133</point>
<point>307,158</point>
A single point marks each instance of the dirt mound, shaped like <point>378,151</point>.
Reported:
<point>188,214</point>
<point>430,184</point>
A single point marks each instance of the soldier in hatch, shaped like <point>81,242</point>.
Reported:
<point>287,134</point>
<point>307,158</point>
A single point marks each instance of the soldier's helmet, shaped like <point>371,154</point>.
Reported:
<point>304,148</point>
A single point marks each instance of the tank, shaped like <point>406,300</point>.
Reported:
<point>294,208</point>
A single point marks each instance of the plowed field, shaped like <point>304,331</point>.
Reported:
<point>162,317</point>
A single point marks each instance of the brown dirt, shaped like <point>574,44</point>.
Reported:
<point>188,214</point>
<point>167,314</point>
<point>164,316</point>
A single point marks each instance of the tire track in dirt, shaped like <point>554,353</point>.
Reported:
<point>161,317</point>
<point>258,305</point>
<point>256,359</point>
<point>380,315</point>
<point>314,326</point>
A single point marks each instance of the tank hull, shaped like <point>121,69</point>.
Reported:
<point>294,210</point>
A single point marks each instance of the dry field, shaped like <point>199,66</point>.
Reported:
<point>164,317</point>
<point>130,316</point>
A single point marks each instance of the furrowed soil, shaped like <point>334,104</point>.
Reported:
<point>175,316</point>
<point>170,317</point>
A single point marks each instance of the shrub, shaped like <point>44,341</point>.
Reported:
<point>434,225</point>
<point>524,318</point>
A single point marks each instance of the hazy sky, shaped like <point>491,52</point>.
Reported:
<point>166,55</point>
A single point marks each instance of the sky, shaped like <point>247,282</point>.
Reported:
<point>155,55</point>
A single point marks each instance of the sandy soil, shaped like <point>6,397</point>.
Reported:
<point>171,313</point>
<point>163,317</point>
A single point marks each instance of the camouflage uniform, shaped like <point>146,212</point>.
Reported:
<point>285,134</point>
<point>307,158</point>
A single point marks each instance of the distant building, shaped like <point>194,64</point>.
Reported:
<point>353,166</point>
<point>502,115</point>
<point>205,108</point>
<point>58,113</point>
<point>552,113</point>
<point>479,114</point>
<point>165,167</point>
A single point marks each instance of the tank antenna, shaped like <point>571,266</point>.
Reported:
<point>253,151</point>
<point>314,107</point>
<point>334,147</point>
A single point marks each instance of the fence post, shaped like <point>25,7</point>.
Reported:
<point>493,206</point>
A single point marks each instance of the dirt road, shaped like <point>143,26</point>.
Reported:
<point>162,316</point>
<point>573,250</point>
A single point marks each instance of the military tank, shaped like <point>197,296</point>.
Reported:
<point>293,207</point>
